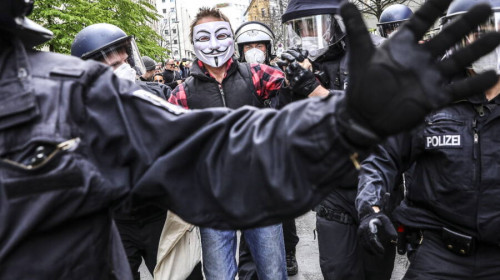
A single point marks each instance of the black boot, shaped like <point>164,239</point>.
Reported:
<point>291,263</point>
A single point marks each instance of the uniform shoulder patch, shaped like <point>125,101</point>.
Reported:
<point>157,101</point>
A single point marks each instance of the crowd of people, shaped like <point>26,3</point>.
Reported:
<point>109,158</point>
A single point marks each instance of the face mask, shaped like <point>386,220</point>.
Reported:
<point>125,72</point>
<point>213,42</point>
<point>311,45</point>
<point>486,63</point>
<point>255,55</point>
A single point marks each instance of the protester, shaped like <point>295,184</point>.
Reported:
<point>255,42</point>
<point>171,77</point>
<point>217,80</point>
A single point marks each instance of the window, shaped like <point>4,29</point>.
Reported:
<point>164,11</point>
<point>166,31</point>
<point>172,1</point>
<point>172,10</point>
<point>176,52</point>
<point>174,31</point>
<point>163,1</point>
<point>263,12</point>
<point>175,42</point>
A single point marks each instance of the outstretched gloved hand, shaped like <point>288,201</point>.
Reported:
<point>301,80</point>
<point>375,232</point>
<point>393,87</point>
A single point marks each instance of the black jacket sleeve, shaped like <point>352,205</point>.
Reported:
<point>381,172</point>
<point>217,168</point>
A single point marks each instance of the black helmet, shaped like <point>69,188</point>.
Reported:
<point>490,61</point>
<point>458,7</point>
<point>392,17</point>
<point>304,8</point>
<point>314,25</point>
<point>13,19</point>
<point>255,32</point>
<point>99,41</point>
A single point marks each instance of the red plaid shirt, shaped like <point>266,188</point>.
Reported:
<point>266,80</point>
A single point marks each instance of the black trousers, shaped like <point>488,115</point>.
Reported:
<point>341,257</point>
<point>290,235</point>
<point>141,240</point>
<point>433,261</point>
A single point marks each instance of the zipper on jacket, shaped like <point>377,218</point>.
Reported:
<point>222,95</point>
<point>476,138</point>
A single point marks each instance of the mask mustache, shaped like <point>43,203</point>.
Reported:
<point>215,51</point>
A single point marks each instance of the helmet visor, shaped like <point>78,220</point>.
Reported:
<point>315,32</point>
<point>125,51</point>
<point>490,61</point>
<point>387,29</point>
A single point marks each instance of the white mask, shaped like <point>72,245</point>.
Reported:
<point>486,63</point>
<point>255,55</point>
<point>315,50</point>
<point>125,72</point>
<point>213,42</point>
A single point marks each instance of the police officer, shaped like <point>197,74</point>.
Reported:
<point>450,212</point>
<point>391,18</point>
<point>109,44</point>
<point>75,140</point>
<point>319,33</point>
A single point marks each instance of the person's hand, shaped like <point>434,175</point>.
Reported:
<point>375,232</point>
<point>393,87</point>
<point>301,81</point>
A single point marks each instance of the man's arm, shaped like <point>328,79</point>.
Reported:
<point>218,168</point>
<point>381,171</point>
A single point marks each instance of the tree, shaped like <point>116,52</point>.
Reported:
<point>278,29</point>
<point>376,7</point>
<point>67,17</point>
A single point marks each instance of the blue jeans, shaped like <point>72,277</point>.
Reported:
<point>266,246</point>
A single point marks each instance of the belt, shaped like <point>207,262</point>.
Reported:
<point>334,215</point>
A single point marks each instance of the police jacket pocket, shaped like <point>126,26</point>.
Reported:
<point>17,108</point>
<point>39,169</point>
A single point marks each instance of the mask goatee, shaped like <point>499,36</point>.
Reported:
<point>216,61</point>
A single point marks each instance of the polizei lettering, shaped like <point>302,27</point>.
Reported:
<point>447,141</point>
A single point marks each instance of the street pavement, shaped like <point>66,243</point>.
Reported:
<point>308,255</point>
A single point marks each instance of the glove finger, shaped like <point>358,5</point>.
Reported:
<point>389,229</point>
<point>456,30</point>
<point>425,17</point>
<point>296,55</point>
<point>465,56</point>
<point>287,56</point>
<point>304,53</point>
<point>282,64</point>
<point>358,38</point>
<point>376,246</point>
<point>471,85</point>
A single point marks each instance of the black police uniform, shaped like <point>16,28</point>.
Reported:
<point>336,216</point>
<point>75,140</point>
<point>453,195</point>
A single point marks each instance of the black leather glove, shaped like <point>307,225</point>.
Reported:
<point>375,232</point>
<point>301,81</point>
<point>393,87</point>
